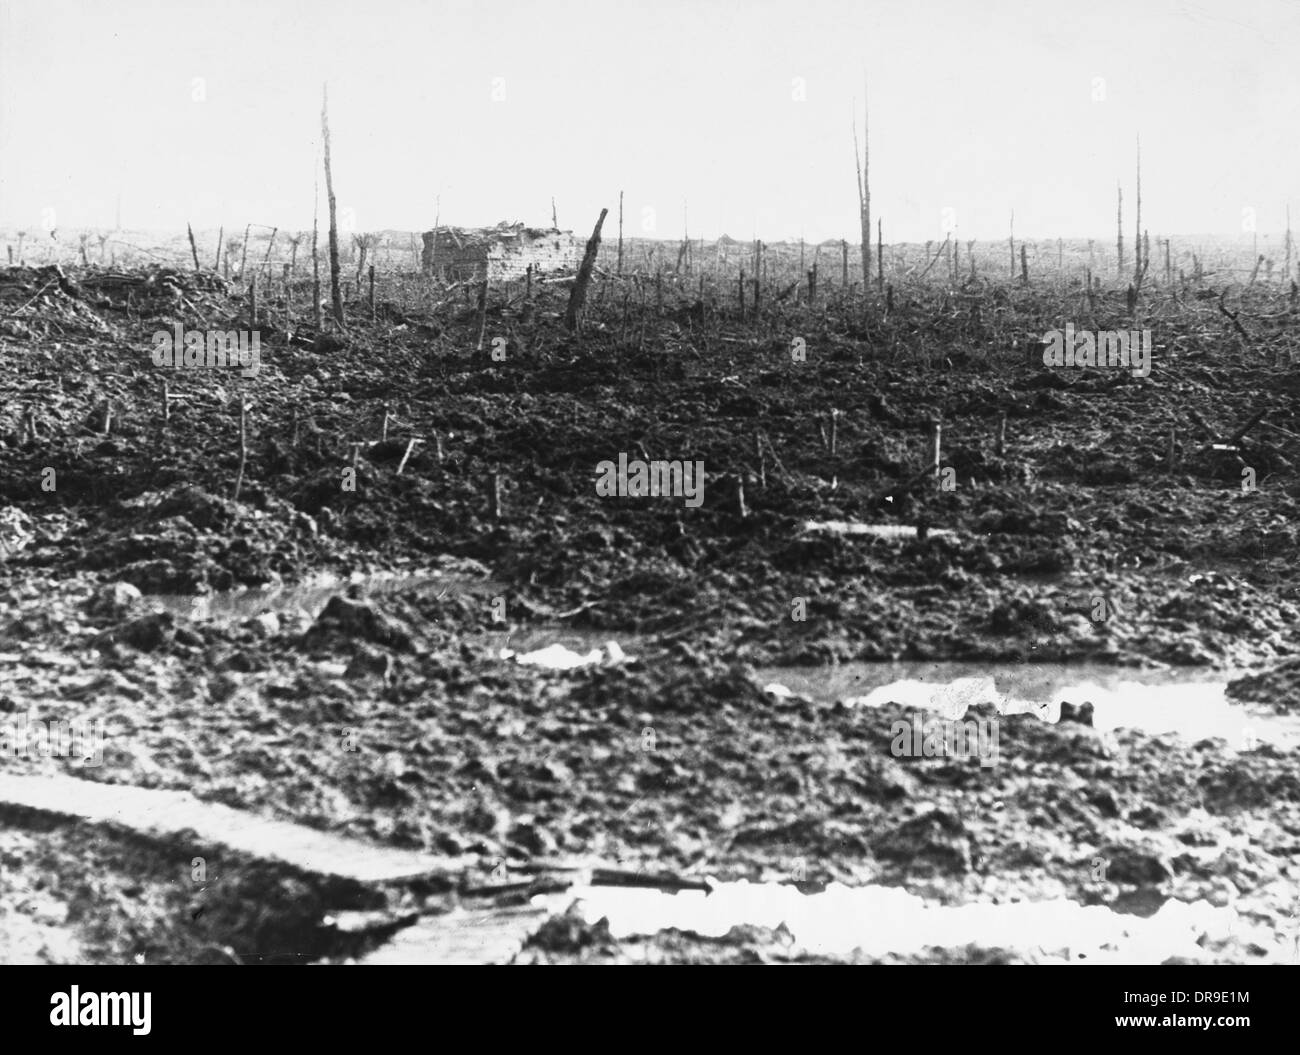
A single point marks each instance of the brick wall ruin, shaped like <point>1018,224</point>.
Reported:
<point>457,254</point>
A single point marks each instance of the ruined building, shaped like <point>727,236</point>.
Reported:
<point>457,254</point>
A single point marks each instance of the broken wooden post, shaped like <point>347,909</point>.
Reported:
<point>482,314</point>
<point>1011,242</point>
<point>936,433</point>
<point>578,296</point>
<point>288,297</point>
<point>243,446</point>
<point>372,292</point>
<point>410,446</point>
<point>193,248</point>
<point>1001,446</point>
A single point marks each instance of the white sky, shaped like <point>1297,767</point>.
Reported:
<point>979,106</point>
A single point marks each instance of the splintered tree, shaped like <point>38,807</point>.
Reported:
<point>1286,277</point>
<point>864,187</point>
<point>335,291</point>
<point>1119,231</point>
<point>1138,255</point>
<point>315,252</point>
<point>579,294</point>
<point>363,243</point>
<point>294,240</point>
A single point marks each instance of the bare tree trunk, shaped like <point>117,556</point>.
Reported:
<point>880,257</point>
<point>193,249</point>
<point>579,295</point>
<point>335,292</point>
<point>1119,231</point>
<point>363,248</point>
<point>686,243</point>
<point>1137,224</point>
<point>266,260</point>
<point>315,253</point>
<point>864,190</point>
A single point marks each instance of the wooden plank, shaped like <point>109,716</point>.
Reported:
<point>159,813</point>
<point>460,937</point>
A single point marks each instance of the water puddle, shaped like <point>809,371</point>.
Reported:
<point>1185,703</point>
<point>312,594</point>
<point>1189,705</point>
<point>886,531</point>
<point>879,920</point>
<point>556,656</point>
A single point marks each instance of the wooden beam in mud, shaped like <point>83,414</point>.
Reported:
<point>163,814</point>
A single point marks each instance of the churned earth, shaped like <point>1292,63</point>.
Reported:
<point>390,715</point>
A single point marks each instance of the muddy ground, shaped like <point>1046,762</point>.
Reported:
<point>1089,536</point>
